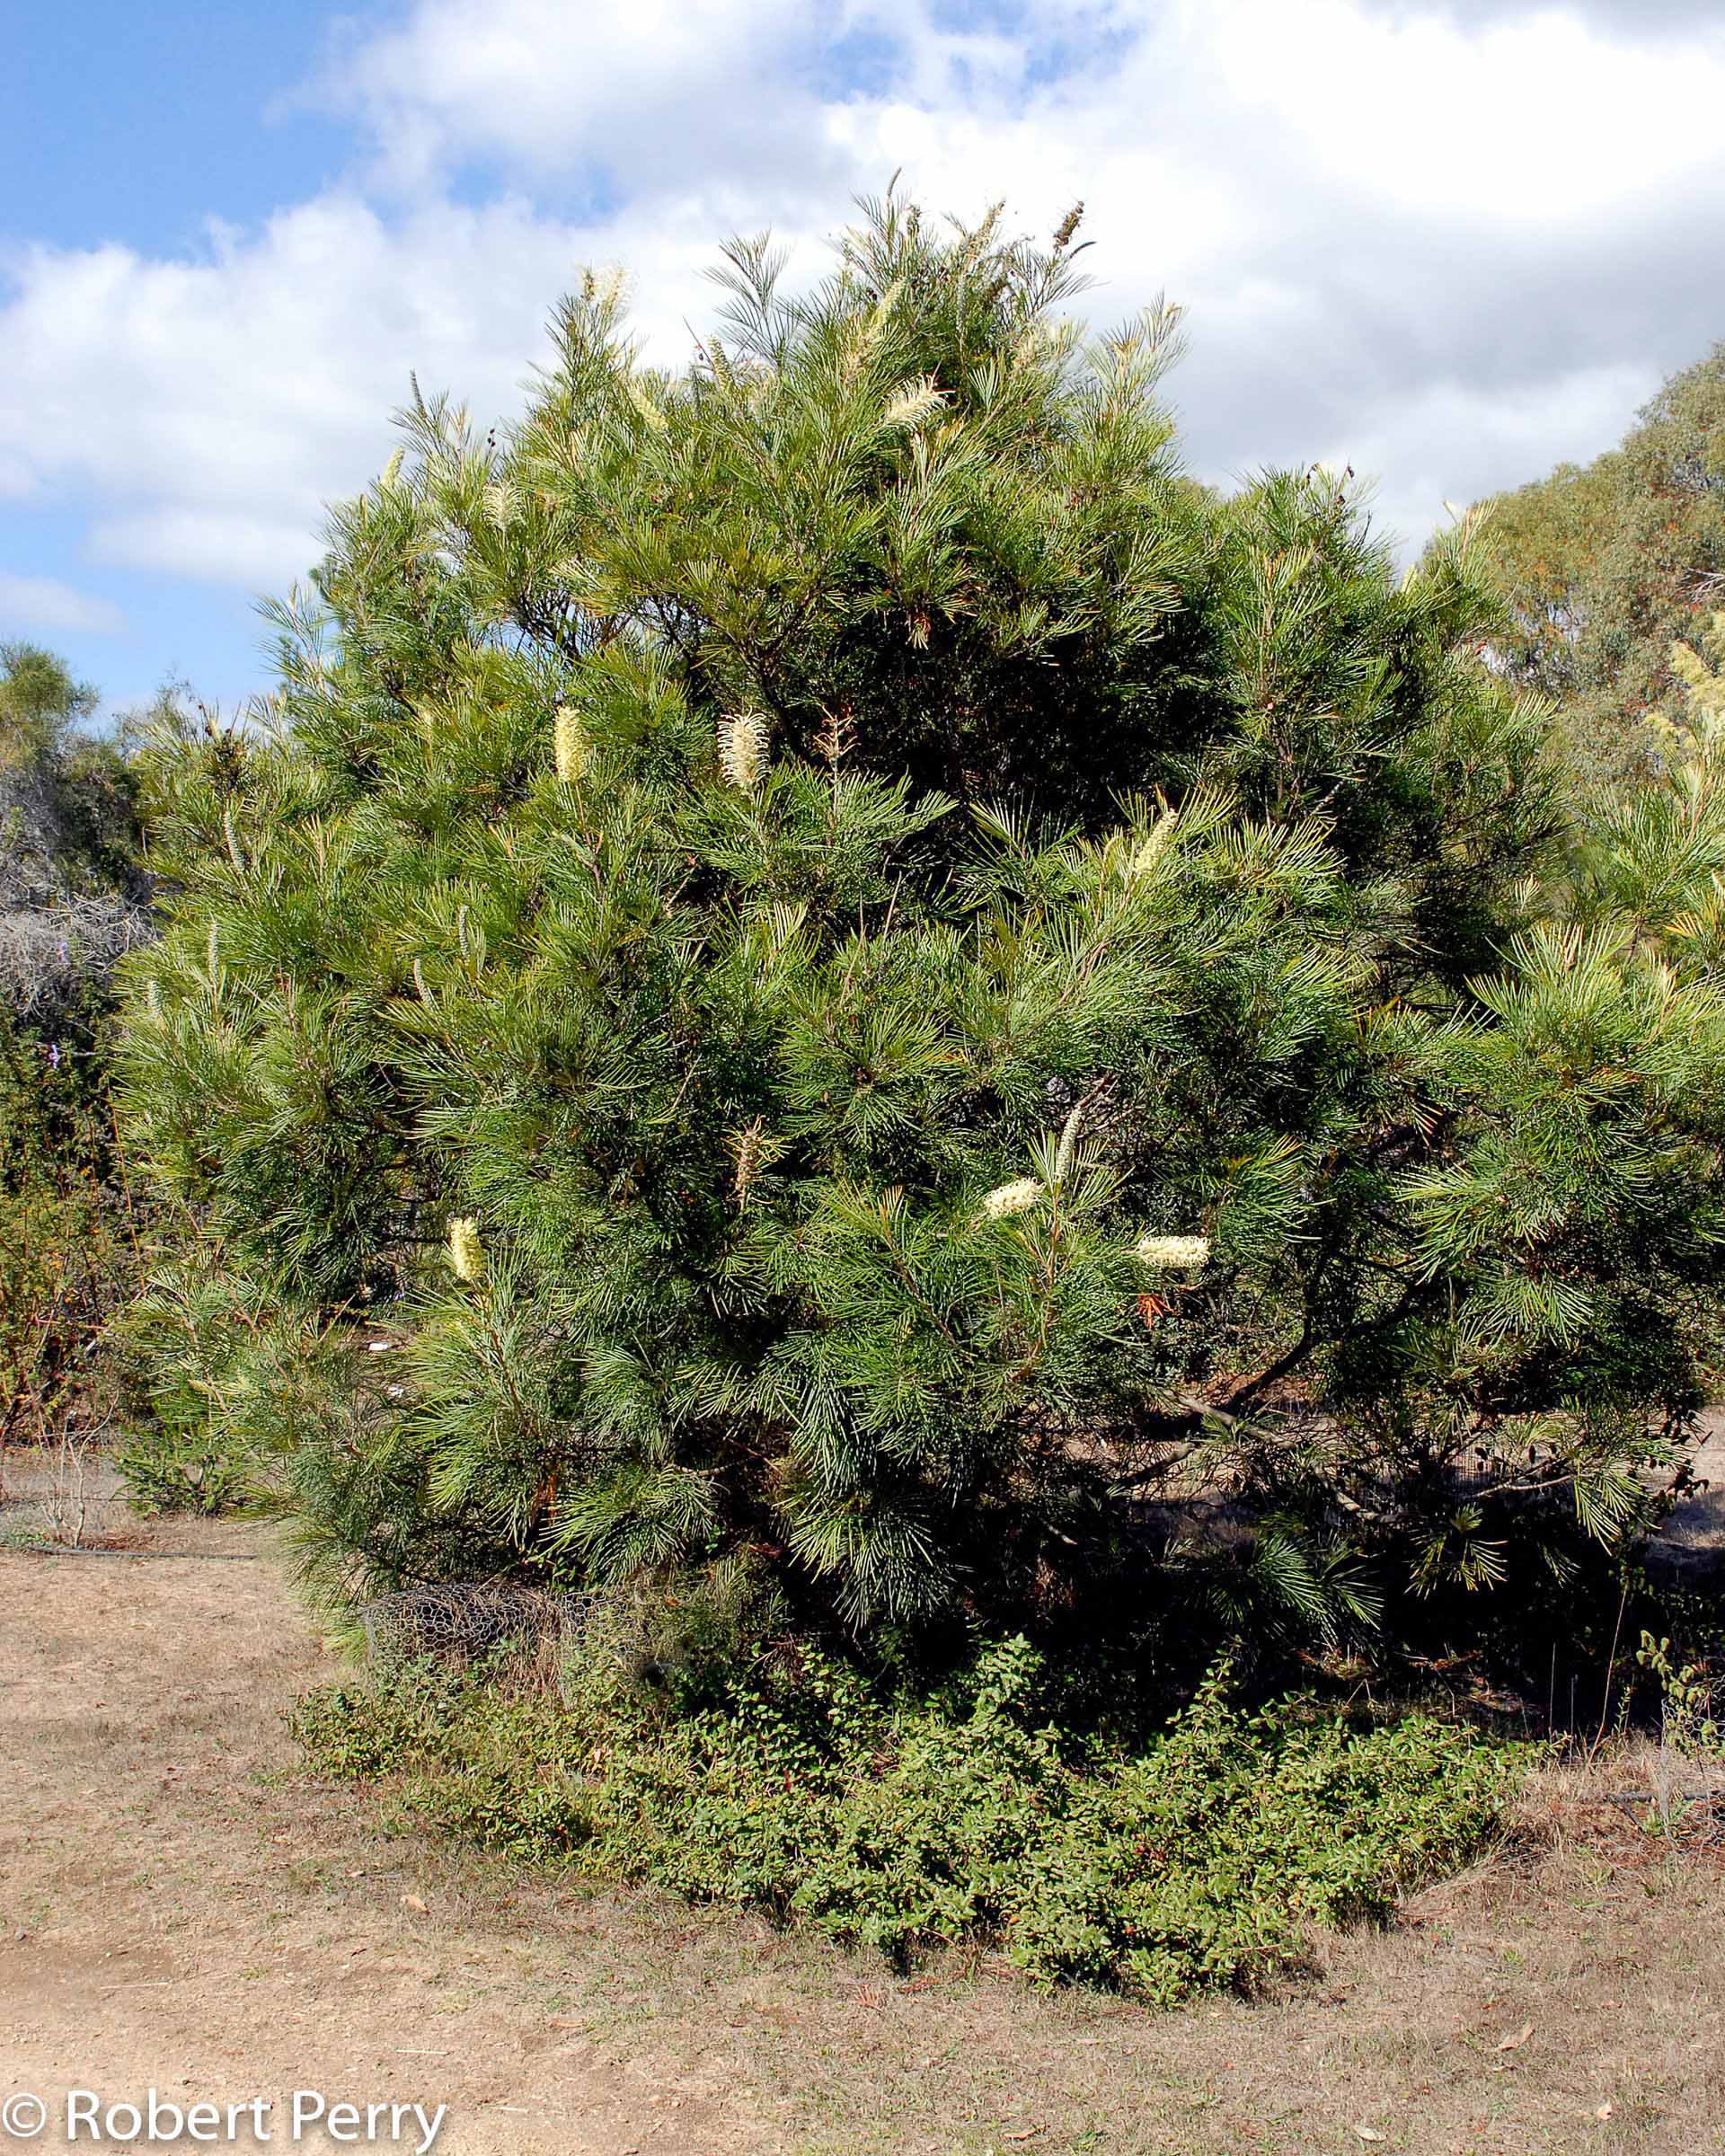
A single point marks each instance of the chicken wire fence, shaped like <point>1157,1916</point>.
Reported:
<point>464,1620</point>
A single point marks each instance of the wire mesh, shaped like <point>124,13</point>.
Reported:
<point>461,1620</point>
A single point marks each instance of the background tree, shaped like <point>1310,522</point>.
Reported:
<point>1605,566</point>
<point>68,827</point>
<point>71,900</point>
<point>828,975</point>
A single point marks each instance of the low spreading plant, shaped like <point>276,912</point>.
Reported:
<point>1204,1859</point>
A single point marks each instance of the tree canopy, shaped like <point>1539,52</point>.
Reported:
<point>1606,566</point>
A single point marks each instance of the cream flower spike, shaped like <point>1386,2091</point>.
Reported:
<point>1172,1254</point>
<point>742,749</point>
<point>466,1253</point>
<point>1007,1198</point>
<point>569,741</point>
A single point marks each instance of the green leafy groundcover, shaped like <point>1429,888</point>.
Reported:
<point>1204,1859</point>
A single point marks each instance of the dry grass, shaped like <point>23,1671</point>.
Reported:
<point>180,1903</point>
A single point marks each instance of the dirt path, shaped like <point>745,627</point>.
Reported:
<point>180,1906</point>
<point>181,1909</point>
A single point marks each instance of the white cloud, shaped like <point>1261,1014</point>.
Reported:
<point>44,606</point>
<point>212,405</point>
<point>554,89</point>
<point>1643,18</point>
<point>1539,121</point>
<point>1445,241</point>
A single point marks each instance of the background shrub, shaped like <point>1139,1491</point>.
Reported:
<point>72,902</point>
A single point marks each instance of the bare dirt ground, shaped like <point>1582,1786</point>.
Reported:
<point>181,1906</point>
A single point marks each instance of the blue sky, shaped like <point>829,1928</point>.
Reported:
<point>137,125</point>
<point>134,123</point>
<point>1448,241</point>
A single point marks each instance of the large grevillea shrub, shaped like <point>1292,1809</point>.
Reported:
<point>826,966</point>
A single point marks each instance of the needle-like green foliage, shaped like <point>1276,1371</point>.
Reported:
<point>827,963</point>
